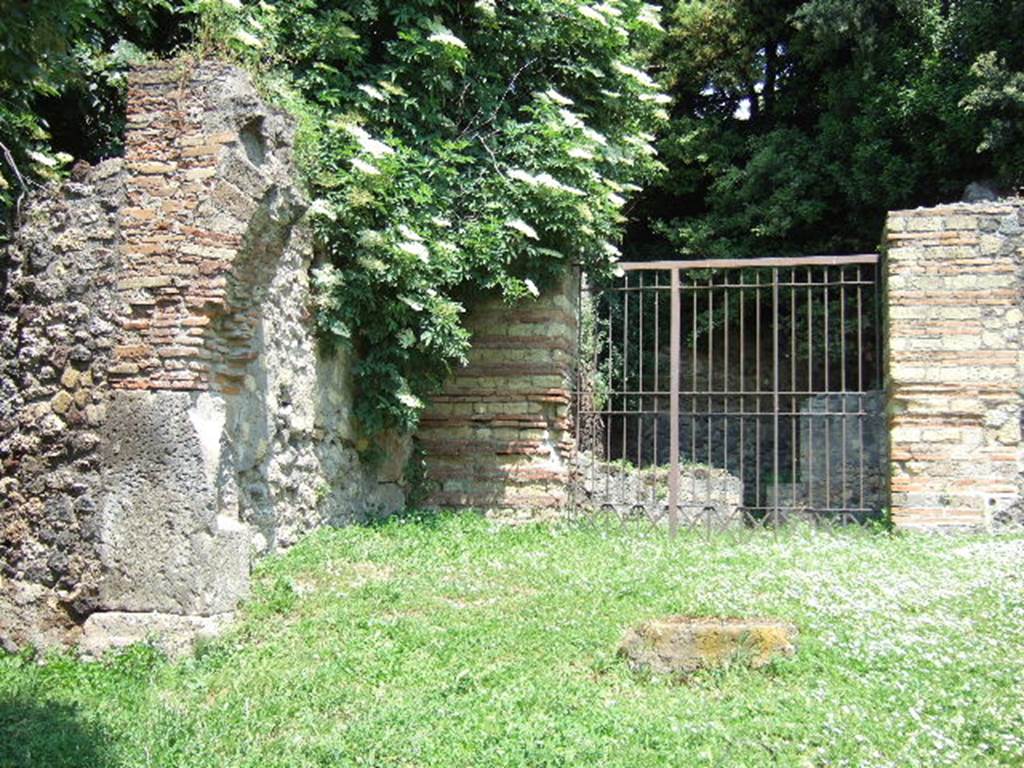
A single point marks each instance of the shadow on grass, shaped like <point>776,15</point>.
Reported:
<point>52,734</point>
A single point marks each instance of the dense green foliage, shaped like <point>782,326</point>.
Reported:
<point>797,124</point>
<point>449,643</point>
<point>62,67</point>
<point>454,149</point>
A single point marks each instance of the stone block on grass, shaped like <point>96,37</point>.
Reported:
<point>681,645</point>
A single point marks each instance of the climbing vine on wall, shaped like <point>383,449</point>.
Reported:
<point>453,149</point>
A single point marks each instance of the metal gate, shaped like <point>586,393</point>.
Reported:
<point>732,393</point>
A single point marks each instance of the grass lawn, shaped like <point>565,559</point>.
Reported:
<point>452,642</point>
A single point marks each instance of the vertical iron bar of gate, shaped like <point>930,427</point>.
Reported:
<point>673,407</point>
<point>775,396</point>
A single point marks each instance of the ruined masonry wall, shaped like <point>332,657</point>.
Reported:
<point>499,437</point>
<point>955,284</point>
<point>165,414</point>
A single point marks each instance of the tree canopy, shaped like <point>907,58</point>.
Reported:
<point>797,123</point>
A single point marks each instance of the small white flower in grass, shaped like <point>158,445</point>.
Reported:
<point>364,167</point>
<point>440,221</point>
<point>409,400</point>
<point>419,250</point>
<point>445,37</point>
<point>39,157</point>
<point>486,7</point>
<point>550,182</point>
<point>531,287</point>
<point>657,98</point>
<point>246,38</point>
<point>522,227</point>
<point>640,76</point>
<point>524,176</point>
<point>376,148</point>
<point>545,180</point>
<point>323,209</point>
<point>372,92</point>
<point>570,118</point>
<point>590,13</point>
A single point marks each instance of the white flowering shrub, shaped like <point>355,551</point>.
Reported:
<point>454,150</point>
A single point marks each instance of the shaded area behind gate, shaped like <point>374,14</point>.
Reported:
<point>743,391</point>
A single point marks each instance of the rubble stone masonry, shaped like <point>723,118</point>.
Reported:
<point>166,412</point>
<point>955,285</point>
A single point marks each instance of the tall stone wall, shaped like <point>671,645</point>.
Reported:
<point>499,437</point>
<point>165,414</point>
<point>955,284</point>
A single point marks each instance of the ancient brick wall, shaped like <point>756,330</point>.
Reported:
<point>167,413</point>
<point>499,437</point>
<point>194,261</point>
<point>955,284</point>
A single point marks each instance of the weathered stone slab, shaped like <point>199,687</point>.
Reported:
<point>173,634</point>
<point>679,645</point>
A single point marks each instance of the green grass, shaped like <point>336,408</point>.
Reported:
<point>453,642</point>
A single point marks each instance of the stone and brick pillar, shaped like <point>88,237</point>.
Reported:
<point>499,437</point>
<point>955,286</point>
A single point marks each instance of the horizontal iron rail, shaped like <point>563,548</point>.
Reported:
<point>802,284</point>
<point>733,393</point>
<point>732,414</point>
<point>770,261</point>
